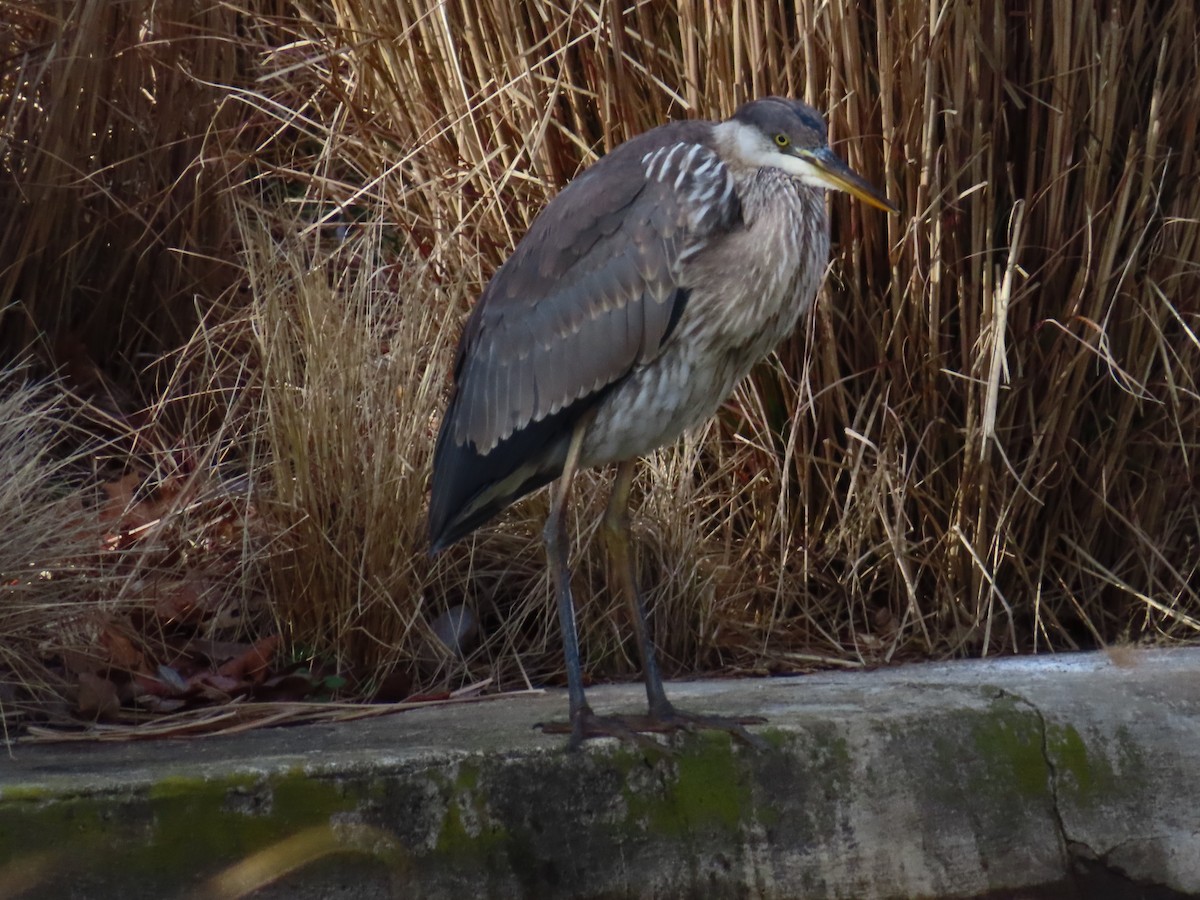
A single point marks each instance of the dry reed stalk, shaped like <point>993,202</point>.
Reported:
<point>968,394</point>
<point>109,112</point>
<point>982,442</point>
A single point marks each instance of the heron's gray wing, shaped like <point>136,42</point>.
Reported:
<point>595,287</point>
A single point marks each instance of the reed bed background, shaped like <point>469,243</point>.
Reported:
<point>244,236</point>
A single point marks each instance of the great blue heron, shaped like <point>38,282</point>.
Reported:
<point>638,299</point>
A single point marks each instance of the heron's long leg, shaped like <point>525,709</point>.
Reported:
<point>663,715</point>
<point>616,533</point>
<point>584,723</point>
<point>558,549</point>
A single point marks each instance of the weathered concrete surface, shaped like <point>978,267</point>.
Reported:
<point>1063,776</point>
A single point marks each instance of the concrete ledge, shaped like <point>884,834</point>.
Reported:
<point>1052,776</point>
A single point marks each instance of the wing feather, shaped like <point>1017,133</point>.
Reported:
<point>593,290</point>
<point>607,250</point>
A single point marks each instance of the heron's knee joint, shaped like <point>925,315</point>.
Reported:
<point>616,523</point>
<point>551,529</point>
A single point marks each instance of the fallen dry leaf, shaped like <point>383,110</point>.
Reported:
<point>290,686</point>
<point>214,686</point>
<point>122,654</point>
<point>120,497</point>
<point>182,600</point>
<point>126,516</point>
<point>254,664</point>
<point>98,697</point>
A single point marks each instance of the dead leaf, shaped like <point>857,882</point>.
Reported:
<point>1124,656</point>
<point>178,600</point>
<point>214,686</point>
<point>254,664</point>
<point>166,682</point>
<point>290,686</point>
<point>122,654</point>
<point>128,517</point>
<point>98,697</point>
<point>120,497</point>
<point>78,661</point>
<point>154,704</point>
<point>172,679</point>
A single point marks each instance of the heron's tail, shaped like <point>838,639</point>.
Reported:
<point>469,488</point>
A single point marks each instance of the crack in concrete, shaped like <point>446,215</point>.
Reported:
<point>1066,842</point>
<point>1082,863</point>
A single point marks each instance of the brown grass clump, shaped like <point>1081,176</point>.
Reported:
<point>49,581</point>
<point>982,442</point>
<point>349,388</point>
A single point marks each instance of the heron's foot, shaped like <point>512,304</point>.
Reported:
<point>634,728</point>
<point>735,726</point>
<point>585,724</point>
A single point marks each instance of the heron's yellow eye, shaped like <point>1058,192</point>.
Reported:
<point>782,140</point>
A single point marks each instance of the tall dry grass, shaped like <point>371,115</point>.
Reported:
<point>983,444</point>
<point>111,138</point>
<point>982,441</point>
<point>50,577</point>
<point>347,383</point>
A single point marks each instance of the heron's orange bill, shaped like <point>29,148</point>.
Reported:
<point>840,177</point>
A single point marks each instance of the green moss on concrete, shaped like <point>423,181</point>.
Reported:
<point>1077,770</point>
<point>223,819</point>
<point>529,823</point>
<point>1008,739</point>
<point>453,837</point>
<point>28,826</point>
<point>22,794</point>
<point>829,775</point>
<point>707,790</point>
<point>464,800</point>
<point>1092,776</point>
<point>833,754</point>
<point>712,784</point>
<point>475,814</point>
<point>775,738</point>
<point>170,832</point>
<point>610,800</point>
<point>174,787</point>
<point>988,760</point>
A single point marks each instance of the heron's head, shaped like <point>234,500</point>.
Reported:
<point>789,135</point>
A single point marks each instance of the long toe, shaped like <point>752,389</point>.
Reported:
<point>734,726</point>
<point>634,728</point>
<point>631,729</point>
